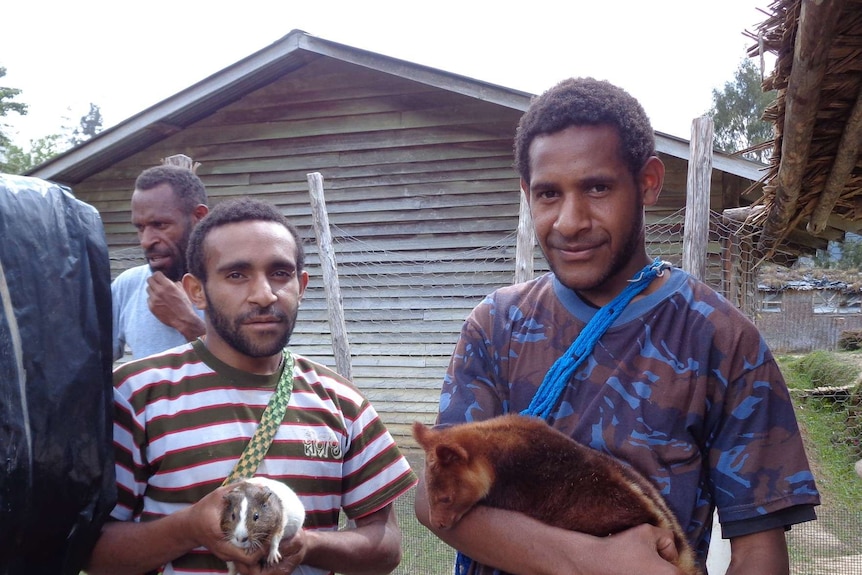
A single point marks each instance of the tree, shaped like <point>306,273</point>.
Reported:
<point>7,106</point>
<point>90,125</point>
<point>737,113</point>
<point>19,161</point>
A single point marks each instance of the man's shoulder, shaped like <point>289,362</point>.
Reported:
<point>175,361</point>
<point>326,380</point>
<point>531,290</point>
<point>133,275</point>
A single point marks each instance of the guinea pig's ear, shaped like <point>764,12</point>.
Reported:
<point>451,454</point>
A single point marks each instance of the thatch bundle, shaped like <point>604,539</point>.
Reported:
<point>815,172</point>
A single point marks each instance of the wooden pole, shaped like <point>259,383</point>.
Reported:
<point>696,235</point>
<point>334,303</point>
<point>815,30</point>
<point>525,244</point>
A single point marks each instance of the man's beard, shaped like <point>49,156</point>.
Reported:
<point>177,253</point>
<point>177,269</point>
<point>230,330</point>
<point>619,259</point>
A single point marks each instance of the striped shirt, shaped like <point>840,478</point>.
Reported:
<point>182,419</point>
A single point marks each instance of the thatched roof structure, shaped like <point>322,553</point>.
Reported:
<point>815,178</point>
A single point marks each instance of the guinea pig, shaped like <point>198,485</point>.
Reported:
<point>260,512</point>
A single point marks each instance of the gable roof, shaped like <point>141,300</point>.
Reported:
<point>814,180</point>
<point>289,53</point>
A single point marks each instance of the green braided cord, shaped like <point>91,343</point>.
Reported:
<point>272,417</point>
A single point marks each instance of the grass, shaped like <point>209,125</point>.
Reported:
<point>829,421</point>
<point>831,434</point>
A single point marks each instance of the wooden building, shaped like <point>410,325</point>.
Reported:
<point>421,195</point>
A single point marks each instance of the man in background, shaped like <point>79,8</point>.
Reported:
<point>151,312</point>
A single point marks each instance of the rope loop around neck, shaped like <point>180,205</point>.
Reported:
<point>561,372</point>
<point>558,376</point>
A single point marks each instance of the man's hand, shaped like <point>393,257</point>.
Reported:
<point>292,556</point>
<point>205,524</point>
<point>170,304</point>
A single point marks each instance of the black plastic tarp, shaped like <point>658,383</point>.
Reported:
<point>56,466</point>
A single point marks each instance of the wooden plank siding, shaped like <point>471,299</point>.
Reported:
<point>421,196</point>
<point>420,191</point>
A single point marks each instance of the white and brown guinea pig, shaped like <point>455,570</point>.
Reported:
<point>259,513</point>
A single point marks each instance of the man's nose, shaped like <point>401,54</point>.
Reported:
<point>262,293</point>
<point>147,238</point>
<point>573,217</point>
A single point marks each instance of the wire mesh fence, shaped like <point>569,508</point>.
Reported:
<point>832,545</point>
<point>404,307</point>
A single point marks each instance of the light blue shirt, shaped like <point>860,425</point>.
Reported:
<point>135,325</point>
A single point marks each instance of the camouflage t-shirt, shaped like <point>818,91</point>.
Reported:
<point>681,386</point>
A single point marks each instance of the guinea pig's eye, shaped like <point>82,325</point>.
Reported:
<point>256,516</point>
<point>233,516</point>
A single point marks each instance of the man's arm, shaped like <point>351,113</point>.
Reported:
<point>764,553</point>
<point>131,548</point>
<point>522,545</point>
<point>170,304</point>
<point>373,547</point>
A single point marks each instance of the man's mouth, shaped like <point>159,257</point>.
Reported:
<point>158,260</point>
<point>576,252</point>
<point>263,320</point>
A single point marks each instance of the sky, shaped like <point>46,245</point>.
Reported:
<point>127,56</point>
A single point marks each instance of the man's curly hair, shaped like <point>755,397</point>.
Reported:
<point>243,209</point>
<point>187,186</point>
<point>586,102</point>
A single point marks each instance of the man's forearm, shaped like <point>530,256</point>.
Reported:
<point>522,545</point>
<point>372,548</point>
<point>191,327</point>
<point>764,553</point>
<point>129,548</point>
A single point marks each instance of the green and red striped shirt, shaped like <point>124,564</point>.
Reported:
<point>183,417</point>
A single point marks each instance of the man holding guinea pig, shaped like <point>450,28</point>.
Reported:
<point>183,418</point>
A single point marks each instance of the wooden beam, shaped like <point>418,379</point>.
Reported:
<point>696,234</point>
<point>337,325</point>
<point>845,161</point>
<point>815,30</point>
<point>525,243</point>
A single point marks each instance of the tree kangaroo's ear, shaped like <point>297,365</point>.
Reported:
<point>451,454</point>
<point>422,435</point>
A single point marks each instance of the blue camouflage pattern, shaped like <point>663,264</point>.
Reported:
<point>682,387</point>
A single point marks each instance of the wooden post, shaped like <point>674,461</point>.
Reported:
<point>525,244</point>
<point>696,235</point>
<point>334,304</point>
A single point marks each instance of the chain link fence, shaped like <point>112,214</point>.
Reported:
<point>438,289</point>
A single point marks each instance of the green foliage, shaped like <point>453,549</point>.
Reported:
<point>89,126</point>
<point>7,106</point>
<point>829,421</point>
<point>737,113</point>
<point>846,255</point>
<point>824,368</point>
<point>19,161</point>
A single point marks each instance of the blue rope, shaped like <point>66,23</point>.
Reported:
<point>561,372</point>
